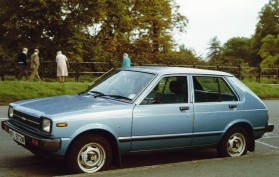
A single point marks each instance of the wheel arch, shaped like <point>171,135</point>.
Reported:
<point>248,128</point>
<point>116,156</point>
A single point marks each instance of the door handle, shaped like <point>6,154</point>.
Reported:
<point>231,106</point>
<point>184,108</point>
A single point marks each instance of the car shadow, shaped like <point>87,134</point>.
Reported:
<point>147,159</point>
<point>38,166</point>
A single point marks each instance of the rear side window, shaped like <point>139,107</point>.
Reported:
<point>212,89</point>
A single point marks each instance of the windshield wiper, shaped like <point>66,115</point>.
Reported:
<point>120,97</point>
<point>100,94</point>
<point>97,93</point>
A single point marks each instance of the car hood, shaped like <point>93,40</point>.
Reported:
<point>65,104</point>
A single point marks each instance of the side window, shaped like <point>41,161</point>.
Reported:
<point>169,90</point>
<point>212,89</point>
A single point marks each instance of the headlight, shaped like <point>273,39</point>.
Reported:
<point>46,125</point>
<point>10,112</point>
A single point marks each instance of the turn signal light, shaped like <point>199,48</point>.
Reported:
<point>63,124</point>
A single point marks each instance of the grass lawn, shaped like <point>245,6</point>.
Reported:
<point>11,91</point>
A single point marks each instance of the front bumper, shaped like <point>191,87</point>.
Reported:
<point>33,142</point>
<point>269,128</point>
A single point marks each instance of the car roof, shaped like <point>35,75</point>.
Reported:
<point>160,70</point>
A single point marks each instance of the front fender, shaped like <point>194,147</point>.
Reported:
<point>91,127</point>
<point>105,131</point>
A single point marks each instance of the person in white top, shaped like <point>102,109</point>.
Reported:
<point>62,66</point>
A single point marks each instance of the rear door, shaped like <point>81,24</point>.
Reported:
<point>216,105</point>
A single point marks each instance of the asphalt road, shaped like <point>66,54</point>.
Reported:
<point>16,161</point>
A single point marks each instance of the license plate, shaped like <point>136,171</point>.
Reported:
<point>17,137</point>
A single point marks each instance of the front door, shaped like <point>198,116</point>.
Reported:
<point>164,119</point>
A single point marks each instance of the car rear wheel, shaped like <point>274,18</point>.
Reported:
<point>90,153</point>
<point>234,143</point>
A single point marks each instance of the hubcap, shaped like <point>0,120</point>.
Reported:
<point>91,158</point>
<point>236,145</point>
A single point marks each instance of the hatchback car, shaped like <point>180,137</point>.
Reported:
<point>141,109</point>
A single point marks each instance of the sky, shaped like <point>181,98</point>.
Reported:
<point>224,19</point>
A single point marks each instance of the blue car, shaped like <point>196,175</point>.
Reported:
<point>141,109</point>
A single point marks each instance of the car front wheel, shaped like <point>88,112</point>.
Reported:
<point>90,153</point>
<point>234,143</point>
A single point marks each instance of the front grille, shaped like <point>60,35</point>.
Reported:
<point>27,119</point>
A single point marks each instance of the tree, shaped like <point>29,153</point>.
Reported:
<point>28,23</point>
<point>184,56</point>
<point>48,25</point>
<point>236,50</point>
<point>270,51</point>
<point>86,30</point>
<point>153,21</point>
<point>214,53</point>
<point>268,24</point>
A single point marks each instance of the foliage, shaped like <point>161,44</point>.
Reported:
<point>268,25</point>
<point>214,50</point>
<point>261,48</point>
<point>236,51</point>
<point>270,51</point>
<point>86,30</point>
<point>102,30</point>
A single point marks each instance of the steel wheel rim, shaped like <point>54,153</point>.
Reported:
<point>91,157</point>
<point>236,144</point>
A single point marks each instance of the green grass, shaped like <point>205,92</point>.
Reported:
<point>11,91</point>
<point>264,90</point>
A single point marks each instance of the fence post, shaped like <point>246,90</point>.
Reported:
<point>239,72</point>
<point>259,74</point>
<point>217,67</point>
<point>2,68</point>
<point>77,71</point>
<point>111,64</point>
<point>42,68</point>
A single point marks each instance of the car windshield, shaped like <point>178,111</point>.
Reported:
<point>121,84</point>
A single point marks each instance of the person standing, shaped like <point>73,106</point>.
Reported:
<point>62,63</point>
<point>126,61</point>
<point>34,65</point>
<point>22,64</point>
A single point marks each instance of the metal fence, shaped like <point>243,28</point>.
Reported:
<point>240,72</point>
<point>47,69</point>
<point>96,68</point>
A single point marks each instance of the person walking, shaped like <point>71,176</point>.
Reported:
<point>126,61</point>
<point>34,65</point>
<point>62,64</point>
<point>22,64</point>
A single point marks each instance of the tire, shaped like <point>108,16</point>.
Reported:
<point>234,143</point>
<point>88,154</point>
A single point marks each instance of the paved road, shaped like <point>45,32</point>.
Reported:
<point>16,161</point>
